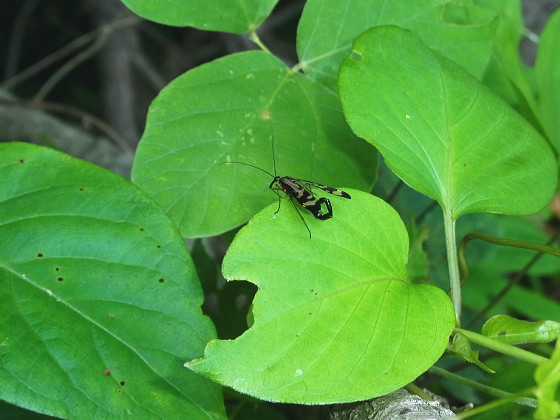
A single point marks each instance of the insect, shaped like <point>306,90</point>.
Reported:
<point>300,189</point>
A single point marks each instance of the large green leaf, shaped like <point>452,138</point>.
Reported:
<point>440,130</point>
<point>460,31</point>
<point>547,76</point>
<point>335,317</point>
<point>236,16</point>
<point>236,108</point>
<point>100,300</point>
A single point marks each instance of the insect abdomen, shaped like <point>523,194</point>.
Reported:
<point>293,188</point>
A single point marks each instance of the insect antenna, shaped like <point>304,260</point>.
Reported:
<point>252,166</point>
<point>287,189</point>
<point>256,167</point>
<point>291,201</point>
<point>273,156</point>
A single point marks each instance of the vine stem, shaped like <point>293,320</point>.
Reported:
<point>453,264</point>
<point>504,348</point>
<point>66,50</point>
<point>541,250</point>
<point>489,390</point>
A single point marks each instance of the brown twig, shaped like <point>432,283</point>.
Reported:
<point>69,110</point>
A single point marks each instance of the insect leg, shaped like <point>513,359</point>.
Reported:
<point>275,191</point>
<point>292,190</point>
<point>279,199</point>
<point>301,217</point>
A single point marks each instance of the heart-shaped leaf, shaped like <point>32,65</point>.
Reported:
<point>236,109</point>
<point>440,130</point>
<point>335,317</point>
<point>236,16</point>
<point>100,300</point>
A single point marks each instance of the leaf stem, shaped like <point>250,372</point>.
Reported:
<point>490,406</point>
<point>255,38</point>
<point>494,392</point>
<point>452,263</point>
<point>419,392</point>
<point>542,249</point>
<point>503,348</point>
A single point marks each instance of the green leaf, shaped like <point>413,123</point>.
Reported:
<point>335,317</point>
<point>100,300</point>
<point>236,16</point>
<point>441,131</point>
<point>514,331</point>
<point>548,79</point>
<point>460,31</point>
<point>547,376</point>
<point>235,109</point>
<point>506,74</point>
<point>460,347</point>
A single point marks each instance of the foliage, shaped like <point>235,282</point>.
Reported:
<point>309,314</point>
<point>101,300</point>
<point>89,266</point>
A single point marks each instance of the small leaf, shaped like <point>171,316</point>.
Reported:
<point>335,317</point>
<point>509,330</point>
<point>547,376</point>
<point>100,300</point>
<point>236,16</point>
<point>235,109</point>
<point>460,347</point>
<point>441,131</point>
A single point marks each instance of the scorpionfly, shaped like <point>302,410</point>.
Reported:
<point>300,189</point>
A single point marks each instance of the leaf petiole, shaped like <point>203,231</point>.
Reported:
<point>452,263</point>
<point>507,349</point>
